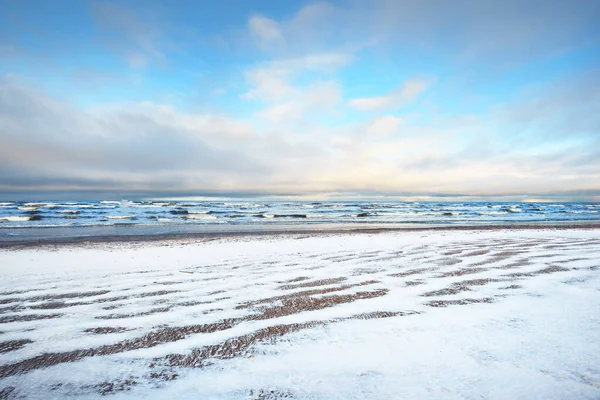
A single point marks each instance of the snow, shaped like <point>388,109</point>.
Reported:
<point>527,328</point>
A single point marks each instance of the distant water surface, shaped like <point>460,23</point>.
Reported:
<point>272,213</point>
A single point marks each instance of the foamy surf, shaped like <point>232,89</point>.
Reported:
<point>15,219</point>
<point>90,213</point>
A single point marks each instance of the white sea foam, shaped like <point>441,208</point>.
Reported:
<point>201,217</point>
<point>27,208</point>
<point>14,219</point>
<point>121,216</point>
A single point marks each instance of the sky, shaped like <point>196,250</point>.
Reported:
<point>397,98</point>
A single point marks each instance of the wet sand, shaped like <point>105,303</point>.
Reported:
<point>32,237</point>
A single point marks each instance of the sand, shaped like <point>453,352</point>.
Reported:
<point>469,313</point>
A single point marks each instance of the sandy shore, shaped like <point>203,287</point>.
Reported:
<point>21,238</point>
<point>452,313</point>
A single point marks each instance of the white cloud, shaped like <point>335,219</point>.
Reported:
<point>140,40</point>
<point>395,99</point>
<point>273,80</point>
<point>317,99</point>
<point>384,126</point>
<point>266,32</point>
<point>149,146</point>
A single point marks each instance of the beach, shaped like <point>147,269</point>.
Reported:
<point>453,314</point>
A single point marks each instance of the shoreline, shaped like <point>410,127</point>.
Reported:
<point>32,241</point>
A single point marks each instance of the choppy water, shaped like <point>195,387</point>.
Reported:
<point>174,213</point>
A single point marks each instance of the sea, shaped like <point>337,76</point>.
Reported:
<point>155,213</point>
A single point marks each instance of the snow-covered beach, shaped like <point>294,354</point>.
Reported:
<point>433,314</point>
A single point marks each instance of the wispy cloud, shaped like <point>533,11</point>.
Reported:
<point>266,32</point>
<point>393,100</point>
<point>126,32</point>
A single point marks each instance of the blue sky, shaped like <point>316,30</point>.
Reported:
<point>400,98</point>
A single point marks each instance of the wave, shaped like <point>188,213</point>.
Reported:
<point>179,212</point>
<point>14,219</point>
<point>68,211</point>
<point>37,204</point>
<point>121,217</point>
<point>201,217</point>
<point>494,213</point>
<point>27,208</point>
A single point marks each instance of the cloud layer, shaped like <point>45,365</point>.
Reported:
<point>381,97</point>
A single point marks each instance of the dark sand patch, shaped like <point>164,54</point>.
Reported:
<point>13,345</point>
<point>490,260</point>
<point>463,286</point>
<point>476,253</point>
<point>365,271</point>
<point>321,282</point>
<point>448,261</point>
<point>27,317</point>
<point>461,272</point>
<point>15,308</point>
<point>296,305</point>
<point>270,394</point>
<point>294,280</point>
<point>13,292</point>
<point>234,347</point>
<point>5,393</point>
<point>414,283</point>
<point>548,270</point>
<point>168,283</point>
<point>157,293</point>
<point>151,339</point>
<point>239,346</point>
<point>171,334</point>
<point>119,385</point>
<point>132,315</point>
<point>551,269</point>
<point>105,329</point>
<point>112,307</point>
<point>54,305</point>
<point>192,303</point>
<point>461,302</point>
<point>447,291</point>
<point>510,287</point>
<point>510,253</point>
<point>452,252</point>
<point>54,297</point>
<point>412,272</point>
<point>302,294</point>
